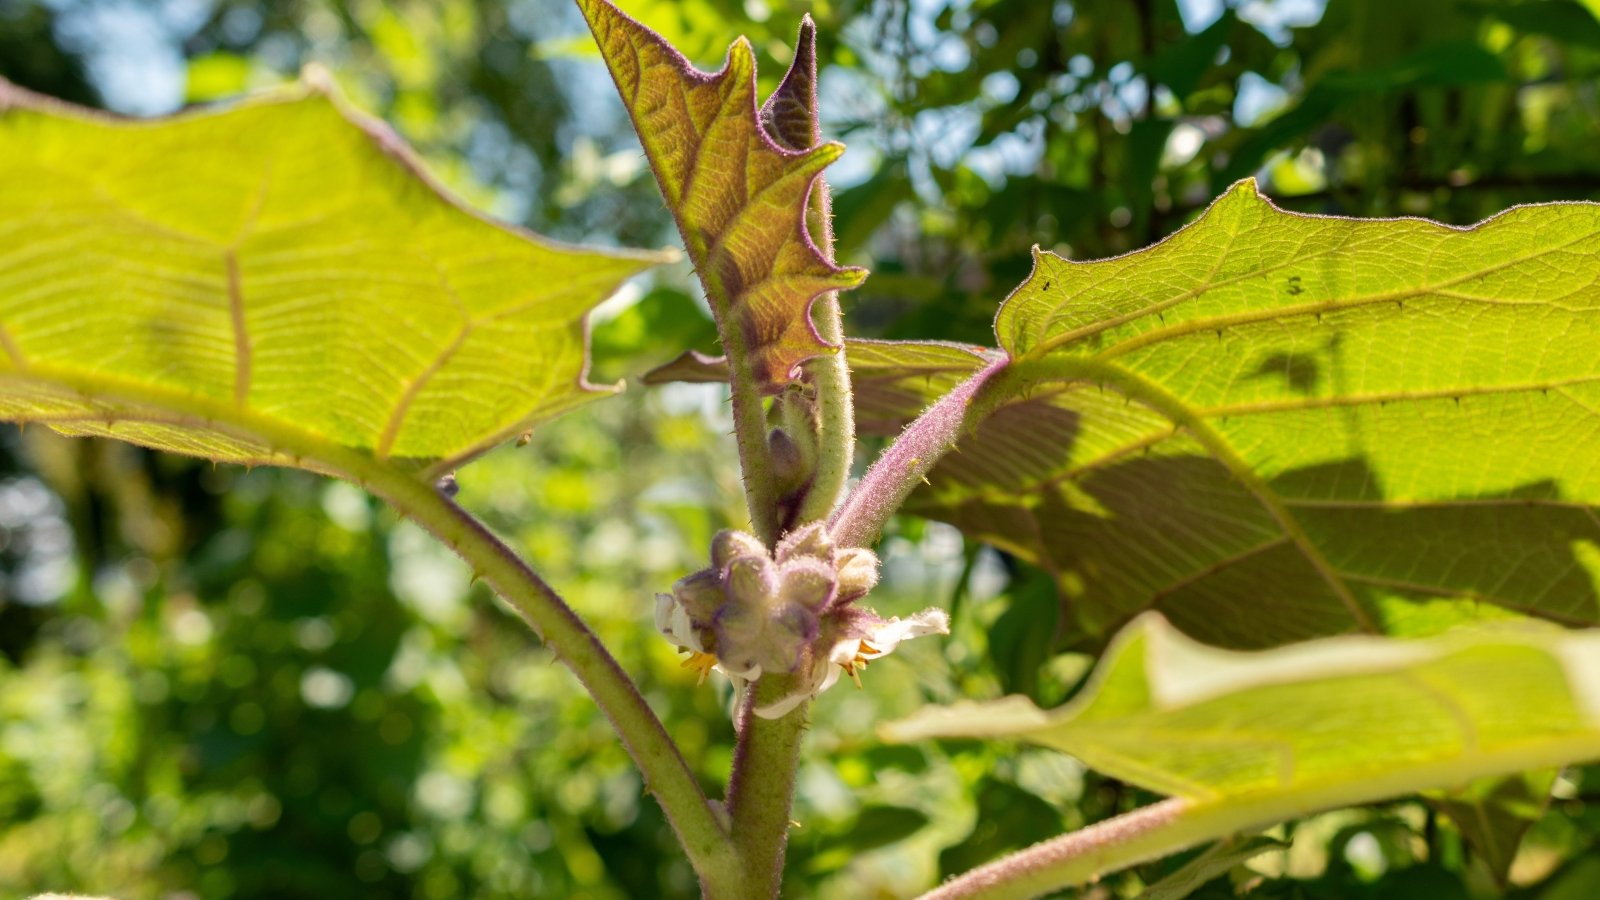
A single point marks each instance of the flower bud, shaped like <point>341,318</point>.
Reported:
<point>751,580</point>
<point>807,583</point>
<point>789,467</point>
<point>857,573</point>
<point>806,541</point>
<point>728,545</point>
<point>768,636</point>
<point>700,595</point>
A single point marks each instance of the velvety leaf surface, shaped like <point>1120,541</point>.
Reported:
<point>254,283</point>
<point>739,194</point>
<point>1317,725</point>
<point>1273,427</point>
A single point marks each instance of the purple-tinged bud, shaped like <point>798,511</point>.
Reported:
<point>751,580</point>
<point>700,595</point>
<point>729,545</point>
<point>789,468</point>
<point>807,541</point>
<point>807,583</point>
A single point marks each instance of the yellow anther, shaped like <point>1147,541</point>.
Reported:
<point>853,667</point>
<point>700,662</point>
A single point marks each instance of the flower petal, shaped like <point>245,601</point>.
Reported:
<point>783,706</point>
<point>885,637</point>
<point>664,605</point>
<point>817,679</point>
<point>882,636</point>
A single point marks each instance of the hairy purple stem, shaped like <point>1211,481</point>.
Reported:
<point>1070,859</point>
<point>906,462</point>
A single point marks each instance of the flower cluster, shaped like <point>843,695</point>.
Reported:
<point>792,610</point>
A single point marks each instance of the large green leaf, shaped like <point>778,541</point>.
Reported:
<point>1244,739</point>
<point>274,282</point>
<point>738,184</point>
<point>1273,427</point>
<point>1325,717</point>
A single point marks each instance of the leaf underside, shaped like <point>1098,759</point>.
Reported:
<point>1273,427</point>
<point>1329,722</point>
<point>274,282</point>
<point>738,192</point>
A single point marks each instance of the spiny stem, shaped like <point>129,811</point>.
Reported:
<point>836,439</point>
<point>761,787</point>
<point>905,463</point>
<point>750,435</point>
<point>666,775</point>
<point>1079,856</point>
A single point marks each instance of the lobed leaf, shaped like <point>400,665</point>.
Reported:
<point>738,179</point>
<point>275,282</point>
<point>1273,427</point>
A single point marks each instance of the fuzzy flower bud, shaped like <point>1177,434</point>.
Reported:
<point>792,610</point>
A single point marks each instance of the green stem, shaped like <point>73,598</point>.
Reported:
<point>836,437</point>
<point>755,456</point>
<point>665,773</point>
<point>761,787</point>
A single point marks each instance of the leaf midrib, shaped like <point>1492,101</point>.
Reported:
<point>155,404</point>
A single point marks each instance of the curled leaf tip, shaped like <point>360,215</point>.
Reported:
<point>739,179</point>
<point>790,114</point>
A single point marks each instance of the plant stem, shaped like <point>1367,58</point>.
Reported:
<point>665,773</point>
<point>1080,856</point>
<point>761,787</point>
<point>905,463</point>
<point>698,827</point>
<point>836,438</point>
<point>1173,825</point>
<point>750,434</point>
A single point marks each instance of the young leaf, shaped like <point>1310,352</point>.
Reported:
<point>1248,739</point>
<point>738,192</point>
<point>1273,427</point>
<point>274,282</point>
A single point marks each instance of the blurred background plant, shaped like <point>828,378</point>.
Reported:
<point>223,683</point>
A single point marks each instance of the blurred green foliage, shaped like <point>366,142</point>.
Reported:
<point>218,683</point>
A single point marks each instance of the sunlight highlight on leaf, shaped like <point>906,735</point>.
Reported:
<point>1332,722</point>
<point>255,283</point>
<point>1273,427</point>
